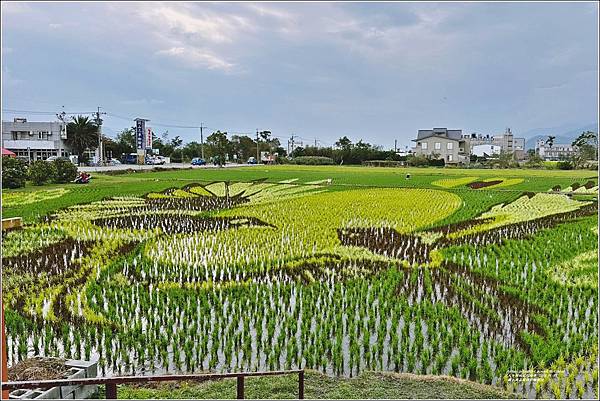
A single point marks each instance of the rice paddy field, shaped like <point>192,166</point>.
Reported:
<point>484,275</point>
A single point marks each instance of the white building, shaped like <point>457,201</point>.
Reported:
<point>485,150</point>
<point>35,140</point>
<point>558,151</point>
<point>505,142</point>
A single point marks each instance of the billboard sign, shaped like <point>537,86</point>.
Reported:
<point>149,138</point>
<point>140,130</point>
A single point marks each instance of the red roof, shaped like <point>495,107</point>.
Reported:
<point>6,152</point>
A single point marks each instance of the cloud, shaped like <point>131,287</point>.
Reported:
<point>188,21</point>
<point>196,58</point>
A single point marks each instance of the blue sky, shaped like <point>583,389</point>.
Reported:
<point>321,70</point>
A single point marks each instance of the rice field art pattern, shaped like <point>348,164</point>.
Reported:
<point>262,276</point>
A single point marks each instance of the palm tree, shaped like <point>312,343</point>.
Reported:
<point>82,134</point>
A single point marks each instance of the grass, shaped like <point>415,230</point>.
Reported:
<point>368,385</point>
<point>138,183</point>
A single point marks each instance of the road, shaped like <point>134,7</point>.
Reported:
<point>136,167</point>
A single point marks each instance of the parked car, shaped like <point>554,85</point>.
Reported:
<point>252,160</point>
<point>130,158</point>
<point>155,160</point>
<point>53,158</point>
<point>113,162</point>
<point>198,161</point>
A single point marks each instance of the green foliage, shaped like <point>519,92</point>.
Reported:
<point>14,172</point>
<point>565,165</point>
<point>218,146</point>
<point>41,171</point>
<point>313,160</point>
<point>64,171</point>
<point>82,134</point>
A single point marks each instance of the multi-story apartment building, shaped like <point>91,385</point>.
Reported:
<point>558,151</point>
<point>442,143</point>
<point>35,140</point>
<point>505,143</point>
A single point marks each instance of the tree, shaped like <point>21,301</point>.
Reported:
<point>82,134</point>
<point>41,171</point>
<point>14,172</point>
<point>176,142</point>
<point>344,143</point>
<point>191,150</point>
<point>533,160</point>
<point>550,141</point>
<point>219,146</point>
<point>504,159</point>
<point>126,141</point>
<point>587,148</point>
<point>243,146</point>
<point>64,171</point>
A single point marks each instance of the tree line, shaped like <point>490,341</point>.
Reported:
<point>218,146</point>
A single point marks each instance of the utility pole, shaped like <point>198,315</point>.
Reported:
<point>292,144</point>
<point>315,142</point>
<point>202,140</point>
<point>99,124</point>
<point>63,130</point>
<point>395,145</point>
<point>257,151</point>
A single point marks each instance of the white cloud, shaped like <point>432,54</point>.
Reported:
<point>195,23</point>
<point>196,58</point>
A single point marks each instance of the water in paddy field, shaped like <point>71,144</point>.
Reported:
<point>341,318</point>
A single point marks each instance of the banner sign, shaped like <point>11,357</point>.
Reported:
<point>140,128</point>
<point>149,138</point>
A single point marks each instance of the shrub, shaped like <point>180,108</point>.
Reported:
<point>14,172</point>
<point>313,160</point>
<point>565,165</point>
<point>41,171</point>
<point>177,156</point>
<point>65,171</point>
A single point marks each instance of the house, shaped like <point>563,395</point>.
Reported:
<point>35,140</point>
<point>442,143</point>
<point>558,151</point>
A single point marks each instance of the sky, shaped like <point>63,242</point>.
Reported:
<point>371,71</point>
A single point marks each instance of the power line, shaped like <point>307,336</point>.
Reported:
<point>45,112</point>
<point>292,138</point>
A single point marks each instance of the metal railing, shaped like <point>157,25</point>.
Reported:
<point>111,382</point>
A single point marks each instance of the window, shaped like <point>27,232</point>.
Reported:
<point>42,134</point>
<point>449,158</point>
<point>449,146</point>
<point>424,145</point>
<point>438,146</point>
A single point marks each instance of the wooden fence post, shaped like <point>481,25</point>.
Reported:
<point>111,391</point>
<point>301,385</point>
<point>240,387</point>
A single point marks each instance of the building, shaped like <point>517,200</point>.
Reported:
<point>35,140</point>
<point>558,151</point>
<point>505,143</point>
<point>485,150</point>
<point>442,143</point>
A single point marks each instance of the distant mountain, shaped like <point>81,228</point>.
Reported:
<point>563,134</point>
